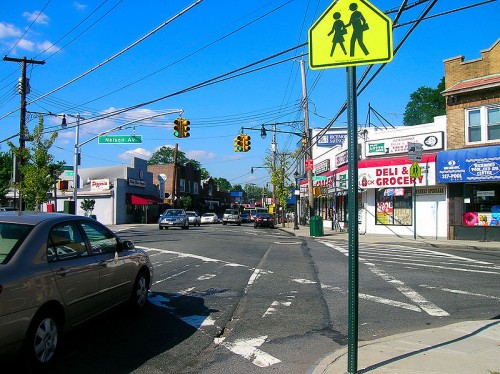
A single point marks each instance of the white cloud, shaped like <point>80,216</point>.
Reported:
<point>47,46</point>
<point>79,6</point>
<point>26,45</point>
<point>138,152</point>
<point>37,17</point>
<point>8,30</point>
<point>200,156</point>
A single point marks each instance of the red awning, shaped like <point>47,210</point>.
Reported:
<point>142,199</point>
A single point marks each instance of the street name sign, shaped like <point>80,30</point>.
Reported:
<point>120,139</point>
<point>350,33</point>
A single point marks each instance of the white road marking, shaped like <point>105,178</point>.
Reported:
<point>287,243</point>
<point>206,276</point>
<point>247,348</point>
<point>189,255</point>
<point>429,307</point>
<point>274,307</point>
<point>460,292</point>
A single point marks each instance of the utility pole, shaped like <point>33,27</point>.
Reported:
<point>22,88</point>
<point>308,154</point>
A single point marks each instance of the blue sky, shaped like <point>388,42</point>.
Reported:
<point>213,38</point>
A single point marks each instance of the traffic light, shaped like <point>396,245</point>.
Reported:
<point>178,127</point>
<point>238,143</point>
<point>62,185</point>
<point>304,142</point>
<point>246,142</point>
<point>185,128</point>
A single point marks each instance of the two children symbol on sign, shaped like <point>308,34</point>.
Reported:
<point>339,29</point>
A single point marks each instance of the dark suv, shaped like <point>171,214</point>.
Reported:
<point>231,216</point>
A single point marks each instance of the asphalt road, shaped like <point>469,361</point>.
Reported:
<point>234,299</point>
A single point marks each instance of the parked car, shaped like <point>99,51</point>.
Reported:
<point>173,218</point>
<point>6,209</point>
<point>57,271</point>
<point>209,218</point>
<point>231,216</point>
<point>245,217</point>
<point>264,220</point>
<point>194,218</point>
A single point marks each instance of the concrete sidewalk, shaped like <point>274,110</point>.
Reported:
<point>466,347</point>
<point>304,231</point>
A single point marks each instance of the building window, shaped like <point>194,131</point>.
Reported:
<point>195,188</point>
<point>482,124</point>
<point>393,206</point>
<point>182,185</point>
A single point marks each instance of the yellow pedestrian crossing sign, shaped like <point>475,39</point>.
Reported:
<point>349,33</point>
<point>415,170</point>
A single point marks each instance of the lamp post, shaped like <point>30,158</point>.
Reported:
<point>297,194</point>
<point>76,157</point>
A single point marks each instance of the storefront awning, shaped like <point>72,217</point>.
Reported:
<point>478,164</point>
<point>135,199</point>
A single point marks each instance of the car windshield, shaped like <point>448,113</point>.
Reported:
<point>11,237</point>
<point>208,214</point>
<point>173,213</point>
<point>264,215</point>
<point>190,214</point>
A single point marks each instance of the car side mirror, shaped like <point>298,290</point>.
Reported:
<point>127,245</point>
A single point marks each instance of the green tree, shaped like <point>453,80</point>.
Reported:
<point>185,202</point>
<point>165,155</point>
<point>39,170</point>
<point>204,174</point>
<point>223,184</point>
<point>5,174</point>
<point>88,206</point>
<point>425,104</point>
<point>253,192</point>
<point>278,177</point>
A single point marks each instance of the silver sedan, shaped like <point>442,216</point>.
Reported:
<point>57,271</point>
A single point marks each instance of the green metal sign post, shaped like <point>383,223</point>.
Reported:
<point>352,209</point>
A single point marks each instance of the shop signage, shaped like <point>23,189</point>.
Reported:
<point>395,175</point>
<point>342,158</point>
<point>484,194</point>
<point>431,141</point>
<point>430,191</point>
<point>136,183</point>
<point>99,184</point>
<point>322,166</point>
<point>330,140</point>
<point>469,165</point>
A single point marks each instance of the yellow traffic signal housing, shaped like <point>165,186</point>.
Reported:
<point>178,131</point>
<point>246,142</point>
<point>62,185</point>
<point>304,142</point>
<point>238,143</point>
<point>185,128</point>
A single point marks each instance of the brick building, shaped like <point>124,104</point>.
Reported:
<point>471,166</point>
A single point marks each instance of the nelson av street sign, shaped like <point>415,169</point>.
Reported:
<point>120,139</point>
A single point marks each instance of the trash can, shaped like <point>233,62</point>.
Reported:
<point>316,226</point>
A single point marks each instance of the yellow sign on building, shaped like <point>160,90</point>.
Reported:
<point>349,33</point>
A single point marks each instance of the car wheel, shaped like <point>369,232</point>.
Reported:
<point>254,226</point>
<point>140,291</point>
<point>271,226</point>
<point>42,338</point>
<point>239,223</point>
<point>160,227</point>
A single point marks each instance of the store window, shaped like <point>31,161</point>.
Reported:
<point>482,205</point>
<point>393,206</point>
<point>482,124</point>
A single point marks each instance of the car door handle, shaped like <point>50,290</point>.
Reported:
<point>62,272</point>
<point>102,263</point>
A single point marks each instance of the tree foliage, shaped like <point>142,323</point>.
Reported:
<point>278,176</point>
<point>39,170</point>
<point>165,155</point>
<point>5,174</point>
<point>223,184</point>
<point>425,104</point>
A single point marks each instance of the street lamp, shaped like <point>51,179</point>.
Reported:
<point>295,216</point>
<point>76,157</point>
